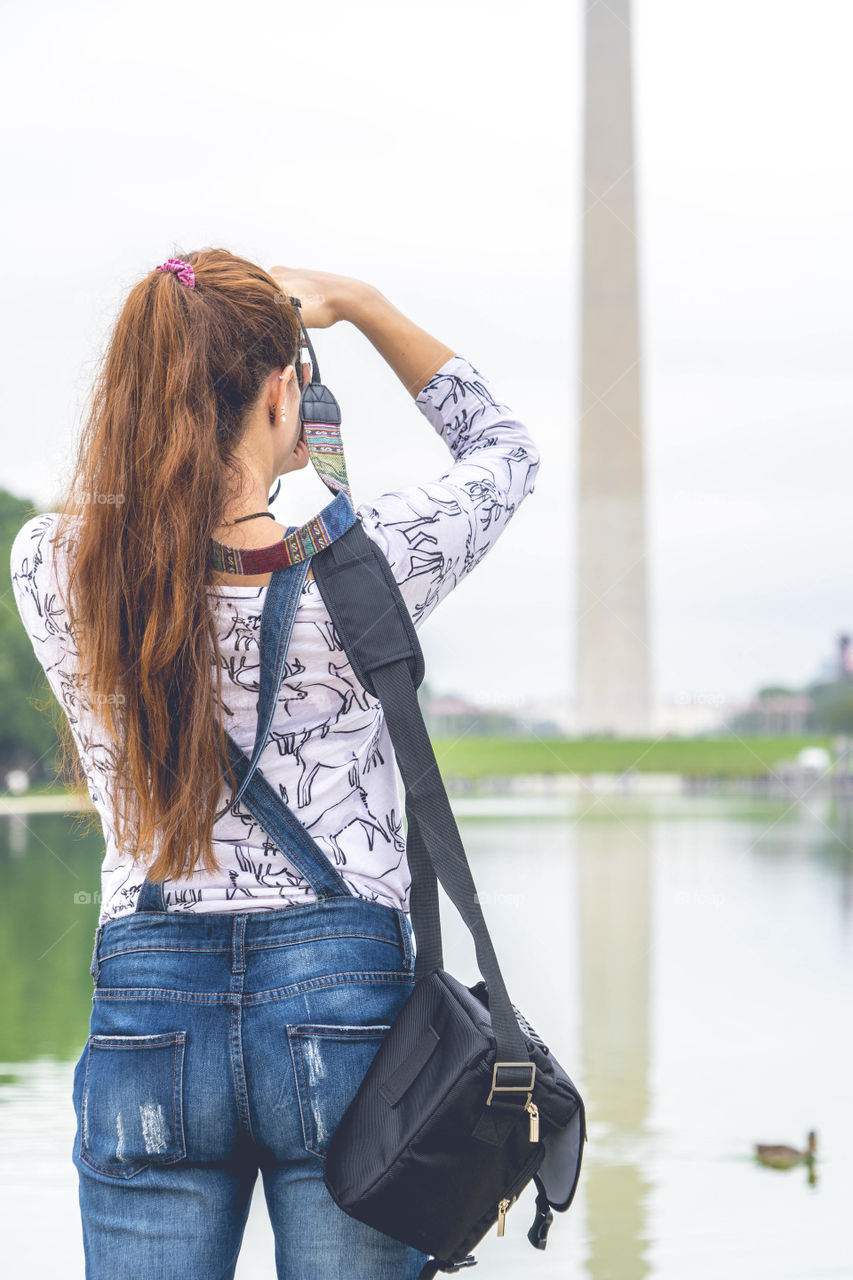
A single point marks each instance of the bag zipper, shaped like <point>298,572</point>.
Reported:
<point>503,1205</point>
<point>519,1182</point>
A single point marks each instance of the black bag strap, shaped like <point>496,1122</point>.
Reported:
<point>379,637</point>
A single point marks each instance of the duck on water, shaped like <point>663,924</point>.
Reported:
<point>783,1157</point>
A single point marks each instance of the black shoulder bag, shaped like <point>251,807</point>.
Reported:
<point>463,1104</point>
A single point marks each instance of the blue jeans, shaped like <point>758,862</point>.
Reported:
<point>221,1044</point>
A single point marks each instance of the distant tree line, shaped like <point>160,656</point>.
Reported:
<point>28,738</point>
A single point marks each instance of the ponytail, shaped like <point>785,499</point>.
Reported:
<point>152,477</point>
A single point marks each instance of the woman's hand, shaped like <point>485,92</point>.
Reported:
<point>412,353</point>
<point>324,296</point>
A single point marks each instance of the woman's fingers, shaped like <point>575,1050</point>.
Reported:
<point>317,291</point>
<point>295,284</point>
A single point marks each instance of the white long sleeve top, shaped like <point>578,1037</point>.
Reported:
<point>328,753</point>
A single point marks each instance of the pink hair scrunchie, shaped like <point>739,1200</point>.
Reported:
<point>182,270</point>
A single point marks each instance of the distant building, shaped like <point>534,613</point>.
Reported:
<point>447,715</point>
<point>845,658</point>
<point>776,713</point>
<point>837,666</point>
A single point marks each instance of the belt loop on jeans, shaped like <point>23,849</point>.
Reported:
<point>95,968</point>
<point>238,944</point>
<point>405,936</point>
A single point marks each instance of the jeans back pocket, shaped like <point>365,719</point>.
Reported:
<point>329,1063</point>
<point>131,1107</point>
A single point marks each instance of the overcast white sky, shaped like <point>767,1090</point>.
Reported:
<point>434,149</point>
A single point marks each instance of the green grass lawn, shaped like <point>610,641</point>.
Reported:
<point>726,757</point>
<point>471,757</point>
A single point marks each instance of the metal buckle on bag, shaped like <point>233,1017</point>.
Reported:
<point>512,1088</point>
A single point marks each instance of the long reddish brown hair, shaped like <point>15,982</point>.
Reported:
<point>154,470</point>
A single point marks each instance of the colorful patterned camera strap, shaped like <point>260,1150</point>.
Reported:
<point>297,544</point>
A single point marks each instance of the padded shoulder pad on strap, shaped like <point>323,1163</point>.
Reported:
<point>366,606</point>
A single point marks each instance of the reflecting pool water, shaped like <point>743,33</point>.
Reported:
<point>689,960</point>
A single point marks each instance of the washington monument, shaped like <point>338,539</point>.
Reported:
<point>613,661</point>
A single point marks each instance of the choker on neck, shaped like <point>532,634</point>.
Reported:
<point>228,523</point>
